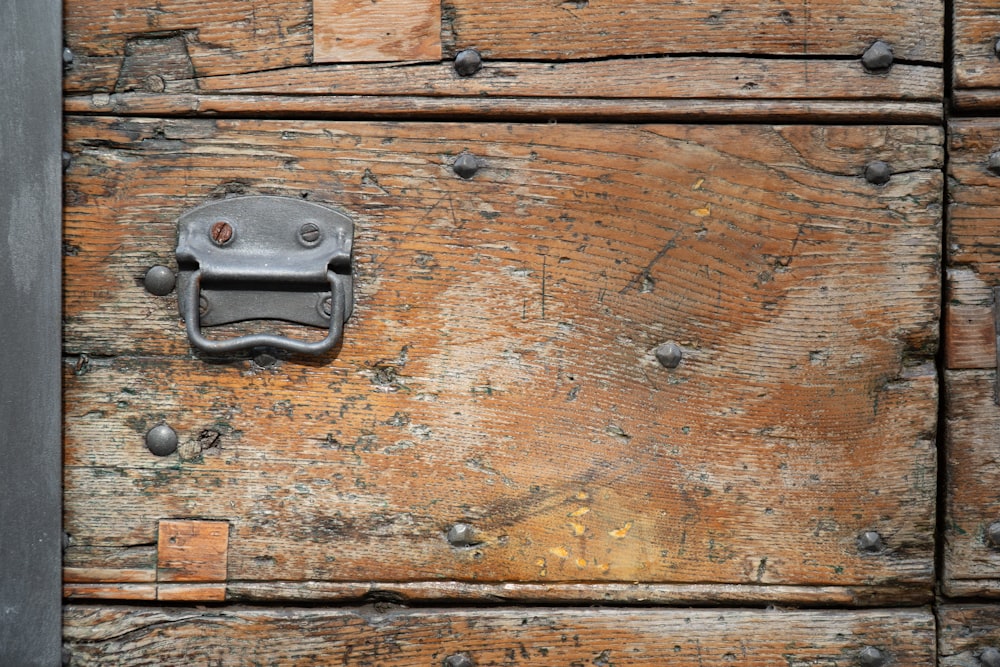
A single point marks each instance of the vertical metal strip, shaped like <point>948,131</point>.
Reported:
<point>30,332</point>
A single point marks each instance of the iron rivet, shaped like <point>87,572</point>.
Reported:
<point>870,542</point>
<point>326,306</point>
<point>468,62</point>
<point>154,83</point>
<point>161,440</point>
<point>203,305</point>
<point>221,233</point>
<point>460,535</point>
<point>871,657</point>
<point>990,657</point>
<point>878,172</point>
<point>994,163</point>
<point>669,355</point>
<point>993,534</point>
<point>466,165</point>
<point>996,48</point>
<point>67,56</point>
<point>309,233</point>
<point>66,159</point>
<point>265,359</point>
<point>877,57</point>
<point>159,281</point>
<point>459,660</point>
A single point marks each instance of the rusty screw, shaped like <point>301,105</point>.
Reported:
<point>870,542</point>
<point>468,62</point>
<point>871,657</point>
<point>221,233</point>
<point>309,233</point>
<point>877,57</point>
<point>459,660</point>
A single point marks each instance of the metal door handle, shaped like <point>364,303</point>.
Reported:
<point>264,258</point>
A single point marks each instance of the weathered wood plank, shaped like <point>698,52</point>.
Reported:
<point>366,31</point>
<point>975,63</point>
<point>499,371</point>
<point>973,473</point>
<point>639,637</point>
<point>970,322</point>
<point>974,210</point>
<point>966,632</point>
<point>353,107</point>
<point>120,47</point>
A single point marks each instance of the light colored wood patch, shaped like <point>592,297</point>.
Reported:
<point>376,30</point>
<point>192,551</point>
<point>191,592</point>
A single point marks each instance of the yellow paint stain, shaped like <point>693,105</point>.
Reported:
<point>540,562</point>
<point>621,532</point>
<point>579,512</point>
<point>604,567</point>
<point>581,563</point>
<point>582,496</point>
<point>578,529</point>
<point>559,551</point>
<point>702,212</point>
<point>698,184</point>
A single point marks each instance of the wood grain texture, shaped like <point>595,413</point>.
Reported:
<point>965,631</point>
<point>970,323</point>
<point>367,31</point>
<point>510,637</point>
<point>498,370</point>
<point>354,107</point>
<point>973,473</point>
<point>974,209</point>
<point>192,551</point>
<point>976,29</point>
<point>113,41</point>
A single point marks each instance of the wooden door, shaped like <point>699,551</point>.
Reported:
<point>631,326</point>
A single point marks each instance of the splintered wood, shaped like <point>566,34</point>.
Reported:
<point>499,369</point>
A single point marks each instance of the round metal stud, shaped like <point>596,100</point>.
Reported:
<point>459,660</point>
<point>466,165</point>
<point>990,657</point>
<point>878,172</point>
<point>994,163</point>
<point>669,355</point>
<point>461,535</point>
<point>468,62</point>
<point>872,657</point>
<point>877,57</point>
<point>159,280</point>
<point>870,542</point>
<point>161,440</point>
<point>996,48</point>
<point>993,534</point>
<point>67,56</point>
<point>309,234</point>
<point>265,359</point>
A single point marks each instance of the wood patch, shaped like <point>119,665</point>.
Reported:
<point>192,551</point>
<point>376,30</point>
<point>515,637</point>
<point>973,473</point>
<point>966,632</point>
<point>499,368</point>
<point>976,69</point>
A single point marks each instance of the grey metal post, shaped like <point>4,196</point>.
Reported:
<point>30,332</point>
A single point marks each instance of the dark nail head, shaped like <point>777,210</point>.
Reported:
<point>161,440</point>
<point>870,542</point>
<point>459,660</point>
<point>468,62</point>
<point>871,657</point>
<point>878,172</point>
<point>669,355</point>
<point>466,165</point>
<point>159,281</point>
<point>877,57</point>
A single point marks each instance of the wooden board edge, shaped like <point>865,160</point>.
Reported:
<point>509,108</point>
<point>961,589</point>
